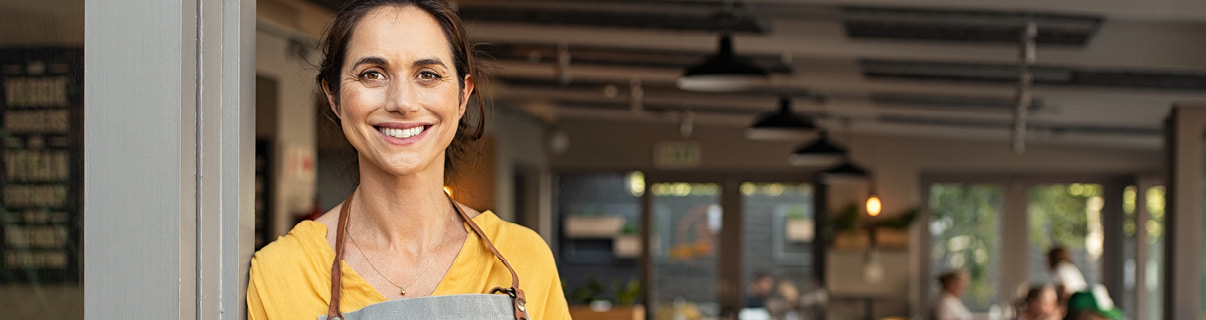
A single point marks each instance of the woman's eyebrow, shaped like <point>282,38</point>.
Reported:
<point>429,62</point>
<point>370,60</point>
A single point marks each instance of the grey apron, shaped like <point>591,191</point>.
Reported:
<point>490,306</point>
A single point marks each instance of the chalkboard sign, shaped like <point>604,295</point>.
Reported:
<point>41,151</point>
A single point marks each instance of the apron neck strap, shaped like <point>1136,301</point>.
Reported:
<point>518,299</point>
<point>336,267</point>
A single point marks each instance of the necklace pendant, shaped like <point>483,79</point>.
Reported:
<point>403,291</point>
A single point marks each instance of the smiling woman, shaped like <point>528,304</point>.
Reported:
<point>399,76</point>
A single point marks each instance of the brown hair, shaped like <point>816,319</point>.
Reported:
<point>1056,255</point>
<point>465,58</point>
<point>949,277</point>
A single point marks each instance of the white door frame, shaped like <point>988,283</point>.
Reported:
<point>1185,135</point>
<point>169,145</point>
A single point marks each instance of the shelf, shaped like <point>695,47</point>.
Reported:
<point>593,227</point>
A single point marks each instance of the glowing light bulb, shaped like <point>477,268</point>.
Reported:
<point>873,206</point>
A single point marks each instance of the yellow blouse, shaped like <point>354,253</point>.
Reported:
<point>291,277</point>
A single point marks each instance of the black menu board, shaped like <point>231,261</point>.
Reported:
<point>41,151</point>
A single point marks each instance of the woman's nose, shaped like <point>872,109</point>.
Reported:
<point>401,97</point>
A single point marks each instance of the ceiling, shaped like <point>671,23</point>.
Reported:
<point>1106,71</point>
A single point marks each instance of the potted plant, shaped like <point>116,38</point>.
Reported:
<point>798,227</point>
<point>588,302</point>
<point>628,243</point>
<point>849,227</point>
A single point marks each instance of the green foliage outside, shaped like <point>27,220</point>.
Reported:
<point>965,228</point>
<point>1057,214</point>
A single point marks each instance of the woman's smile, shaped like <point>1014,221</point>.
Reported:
<point>402,135</point>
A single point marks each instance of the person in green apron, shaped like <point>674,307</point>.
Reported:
<point>399,76</point>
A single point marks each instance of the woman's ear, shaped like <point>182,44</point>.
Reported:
<point>466,92</point>
<point>330,98</point>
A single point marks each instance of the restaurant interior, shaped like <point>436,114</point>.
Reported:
<point>675,154</point>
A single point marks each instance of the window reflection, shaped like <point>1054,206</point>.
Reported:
<point>1069,216</point>
<point>41,151</point>
<point>780,215</point>
<point>966,235</point>
<point>686,219</point>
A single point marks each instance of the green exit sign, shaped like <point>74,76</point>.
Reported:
<point>676,154</point>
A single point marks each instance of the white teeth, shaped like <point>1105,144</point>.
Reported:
<point>402,133</point>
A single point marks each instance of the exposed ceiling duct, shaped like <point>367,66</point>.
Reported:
<point>976,26</point>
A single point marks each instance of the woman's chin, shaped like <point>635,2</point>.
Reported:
<point>400,168</point>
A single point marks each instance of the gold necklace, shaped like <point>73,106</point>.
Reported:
<point>370,263</point>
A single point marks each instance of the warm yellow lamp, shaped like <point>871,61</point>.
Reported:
<point>873,205</point>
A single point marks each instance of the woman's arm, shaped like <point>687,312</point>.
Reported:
<point>255,303</point>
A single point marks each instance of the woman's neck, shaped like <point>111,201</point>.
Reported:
<point>409,213</point>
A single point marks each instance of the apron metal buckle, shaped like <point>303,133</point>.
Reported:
<point>508,291</point>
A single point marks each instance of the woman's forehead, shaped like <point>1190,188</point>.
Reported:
<point>393,32</point>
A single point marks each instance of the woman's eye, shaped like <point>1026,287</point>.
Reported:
<point>428,75</point>
<point>372,75</point>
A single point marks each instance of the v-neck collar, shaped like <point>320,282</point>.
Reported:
<point>463,271</point>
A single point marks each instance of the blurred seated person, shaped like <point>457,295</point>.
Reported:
<point>1092,305</point>
<point>949,305</point>
<point>760,288</point>
<point>1064,274</point>
<point>783,301</point>
<point>1040,303</point>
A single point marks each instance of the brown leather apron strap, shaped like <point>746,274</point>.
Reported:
<point>518,299</point>
<point>333,312</point>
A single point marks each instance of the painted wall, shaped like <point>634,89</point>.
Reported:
<point>519,141</point>
<point>295,123</point>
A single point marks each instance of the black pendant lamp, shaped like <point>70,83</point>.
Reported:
<point>723,72</point>
<point>782,125</point>
<point>818,153</point>
<point>847,172</point>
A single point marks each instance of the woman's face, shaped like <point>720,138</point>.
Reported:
<point>399,99</point>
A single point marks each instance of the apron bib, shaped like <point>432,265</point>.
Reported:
<point>451,307</point>
<point>491,306</point>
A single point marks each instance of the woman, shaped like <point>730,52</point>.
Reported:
<point>1040,303</point>
<point>399,75</point>
<point>949,305</point>
<point>1064,274</point>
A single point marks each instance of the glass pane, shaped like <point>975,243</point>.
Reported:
<point>599,241</point>
<point>1129,252</point>
<point>41,151</point>
<point>1154,266</point>
<point>780,215</point>
<point>966,235</point>
<point>687,221</point>
<point>1069,216</point>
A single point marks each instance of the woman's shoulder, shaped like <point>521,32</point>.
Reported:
<point>533,261</point>
<point>290,276</point>
<point>509,234</point>
<point>303,245</point>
